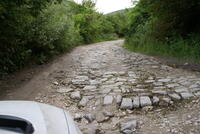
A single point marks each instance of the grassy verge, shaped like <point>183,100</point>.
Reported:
<point>181,49</point>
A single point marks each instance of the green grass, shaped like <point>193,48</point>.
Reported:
<point>182,49</point>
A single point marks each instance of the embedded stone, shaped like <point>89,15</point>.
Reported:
<point>110,73</point>
<point>90,88</point>
<point>94,82</point>
<point>76,95</point>
<point>173,85</point>
<point>64,90</point>
<point>181,90</point>
<point>149,81</point>
<point>136,102</point>
<point>165,101</point>
<point>164,80</point>
<point>186,95</point>
<point>80,80</point>
<point>126,103</point>
<point>197,94</point>
<point>160,92</point>
<point>83,102</point>
<point>131,126</point>
<point>108,100</point>
<point>119,99</point>
<point>145,101</point>
<point>155,100</point>
<point>89,117</point>
<point>101,118</point>
<point>105,91</point>
<point>174,96</point>
<point>121,80</point>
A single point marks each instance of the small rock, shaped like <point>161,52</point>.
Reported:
<point>155,100</point>
<point>127,131</point>
<point>89,117</point>
<point>147,108</point>
<point>126,103</point>
<point>110,73</point>
<point>93,130</point>
<point>98,102</point>
<point>83,102</point>
<point>119,99</point>
<point>55,83</point>
<point>197,94</point>
<point>101,118</point>
<point>108,114</point>
<point>122,73</point>
<point>145,101</point>
<point>165,101</point>
<point>80,80</point>
<point>108,100</point>
<point>76,95</point>
<point>131,125</point>
<point>64,90</point>
<point>105,91</point>
<point>78,117</point>
<point>149,81</point>
<point>121,80</point>
<point>136,102</point>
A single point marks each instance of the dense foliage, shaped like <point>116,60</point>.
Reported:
<point>119,21</point>
<point>166,27</point>
<point>34,30</point>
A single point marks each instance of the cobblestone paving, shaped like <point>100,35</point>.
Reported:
<point>108,88</point>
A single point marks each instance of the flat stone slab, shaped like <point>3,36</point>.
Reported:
<point>181,90</point>
<point>64,90</point>
<point>90,88</point>
<point>164,80</point>
<point>110,73</point>
<point>126,103</point>
<point>149,81</point>
<point>158,84</point>
<point>108,100</point>
<point>76,95</point>
<point>121,80</point>
<point>94,82</point>
<point>174,97</point>
<point>173,85</point>
<point>136,102</point>
<point>160,92</point>
<point>186,95</point>
<point>105,91</point>
<point>145,101</point>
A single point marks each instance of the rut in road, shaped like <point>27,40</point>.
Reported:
<point>103,85</point>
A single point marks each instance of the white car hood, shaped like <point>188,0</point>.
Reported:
<point>45,119</point>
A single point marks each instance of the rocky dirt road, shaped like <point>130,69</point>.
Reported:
<point>110,90</point>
